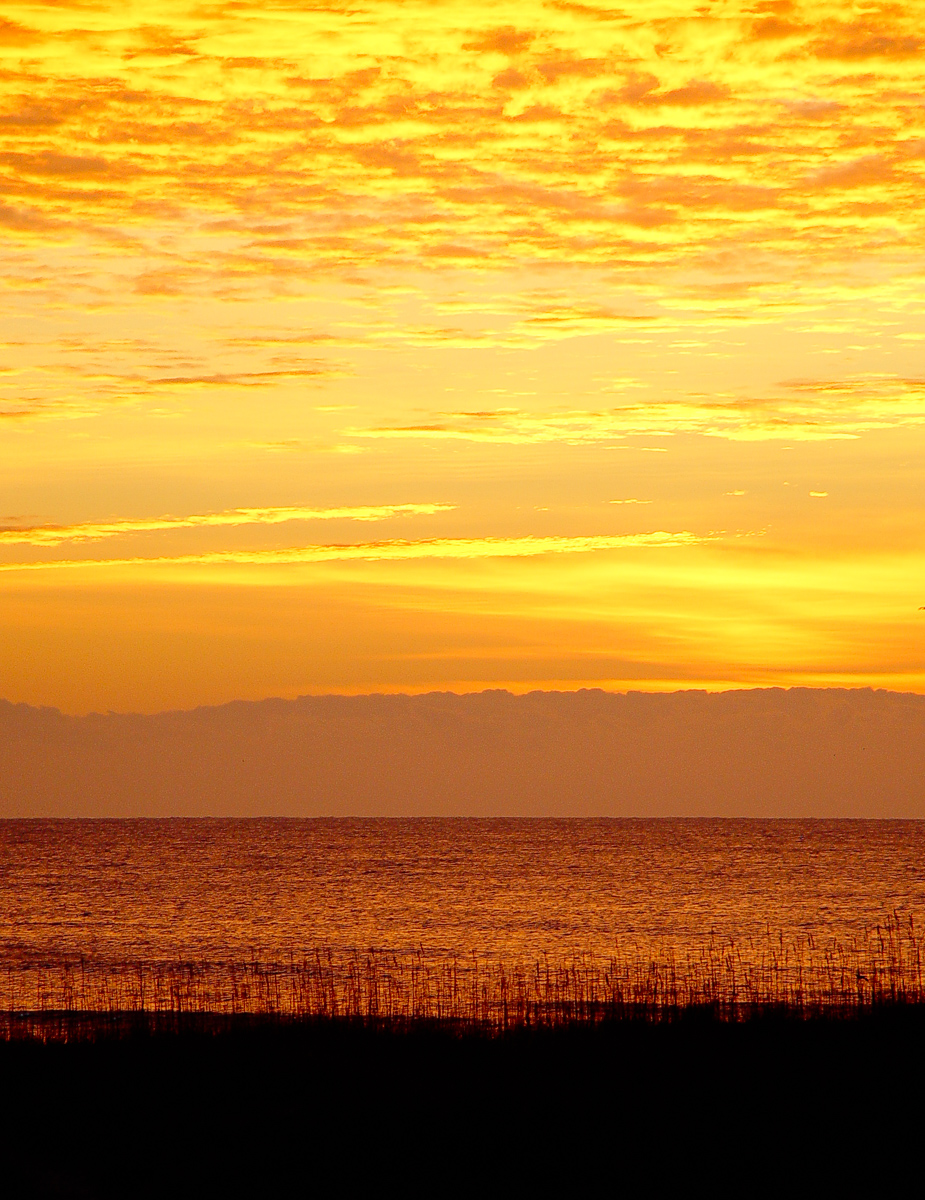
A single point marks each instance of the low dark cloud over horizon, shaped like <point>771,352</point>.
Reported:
<point>751,753</point>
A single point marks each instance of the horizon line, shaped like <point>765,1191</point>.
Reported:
<point>704,689</point>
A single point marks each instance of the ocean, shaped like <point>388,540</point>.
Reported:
<point>512,890</point>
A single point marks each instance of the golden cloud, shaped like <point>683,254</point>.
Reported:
<point>391,550</point>
<point>816,410</point>
<point>55,535</point>
<point>393,142</point>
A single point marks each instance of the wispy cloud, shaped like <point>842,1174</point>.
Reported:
<point>391,550</point>
<point>245,378</point>
<point>805,411</point>
<point>56,535</point>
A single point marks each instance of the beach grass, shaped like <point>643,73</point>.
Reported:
<point>731,980</point>
<point>726,1067</point>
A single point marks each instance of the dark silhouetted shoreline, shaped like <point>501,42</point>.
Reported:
<point>261,1106</point>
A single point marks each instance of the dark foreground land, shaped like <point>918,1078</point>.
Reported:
<point>263,1108</point>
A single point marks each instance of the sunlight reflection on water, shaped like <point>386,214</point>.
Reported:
<point>221,889</point>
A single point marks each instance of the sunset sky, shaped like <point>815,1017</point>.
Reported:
<point>384,346</point>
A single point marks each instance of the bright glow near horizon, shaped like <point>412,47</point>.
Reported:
<point>414,346</point>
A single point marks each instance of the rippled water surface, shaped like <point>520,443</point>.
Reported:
<point>512,888</point>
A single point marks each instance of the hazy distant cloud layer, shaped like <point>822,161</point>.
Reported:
<point>811,753</point>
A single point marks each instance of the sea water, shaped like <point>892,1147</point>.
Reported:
<point>221,890</point>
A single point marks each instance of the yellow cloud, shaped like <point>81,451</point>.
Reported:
<point>391,550</point>
<point>388,142</point>
<point>55,535</point>
<point>814,411</point>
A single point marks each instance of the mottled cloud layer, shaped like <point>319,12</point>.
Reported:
<point>686,168</point>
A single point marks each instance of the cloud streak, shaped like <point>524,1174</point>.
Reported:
<point>812,411</point>
<point>389,551</point>
<point>56,535</point>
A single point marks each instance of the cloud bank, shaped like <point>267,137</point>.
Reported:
<point>763,753</point>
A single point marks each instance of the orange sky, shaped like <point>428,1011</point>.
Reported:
<point>438,345</point>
